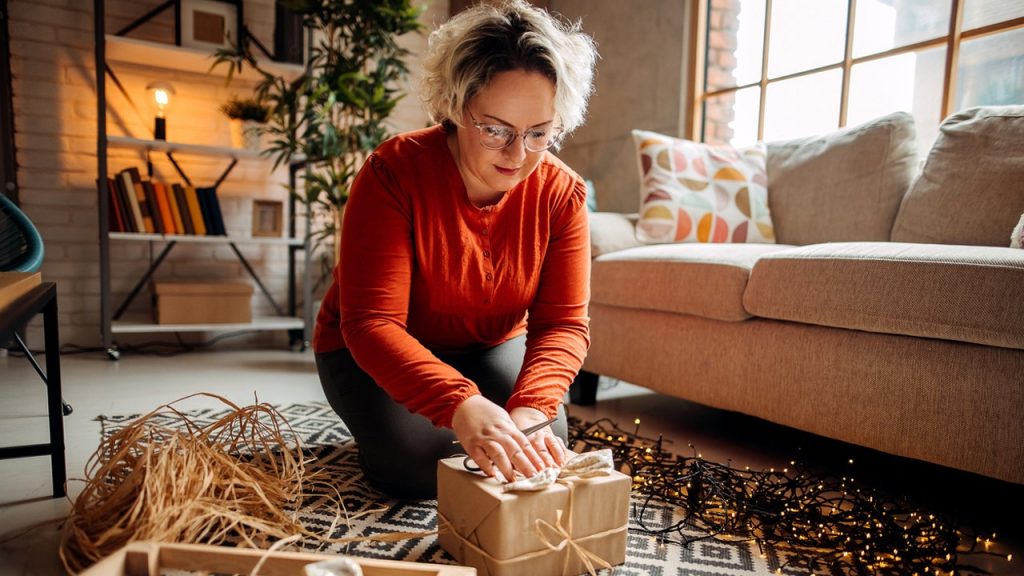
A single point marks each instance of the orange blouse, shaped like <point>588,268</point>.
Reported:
<point>423,270</point>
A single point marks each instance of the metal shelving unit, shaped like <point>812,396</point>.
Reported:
<point>297,322</point>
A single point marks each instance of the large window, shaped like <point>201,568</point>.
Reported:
<point>778,69</point>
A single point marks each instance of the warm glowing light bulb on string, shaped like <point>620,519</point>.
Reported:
<point>865,529</point>
<point>160,93</point>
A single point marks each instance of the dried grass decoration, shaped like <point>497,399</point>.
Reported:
<point>239,480</point>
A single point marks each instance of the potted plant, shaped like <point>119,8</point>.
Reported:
<point>248,115</point>
<point>331,117</point>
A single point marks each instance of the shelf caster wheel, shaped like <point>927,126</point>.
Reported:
<point>112,354</point>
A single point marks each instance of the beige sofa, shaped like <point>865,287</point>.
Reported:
<point>890,314</point>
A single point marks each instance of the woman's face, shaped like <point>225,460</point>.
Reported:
<point>520,100</point>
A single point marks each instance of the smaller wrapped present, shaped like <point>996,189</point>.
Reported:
<point>550,525</point>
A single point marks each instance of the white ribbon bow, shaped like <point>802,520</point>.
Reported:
<point>597,463</point>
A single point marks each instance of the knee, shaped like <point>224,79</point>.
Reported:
<point>404,471</point>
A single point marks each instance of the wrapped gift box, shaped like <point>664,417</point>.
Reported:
<point>497,532</point>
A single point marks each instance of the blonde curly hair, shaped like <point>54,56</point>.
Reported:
<point>466,52</point>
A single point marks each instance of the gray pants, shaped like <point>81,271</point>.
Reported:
<point>399,450</point>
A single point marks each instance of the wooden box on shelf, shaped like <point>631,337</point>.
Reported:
<point>203,302</point>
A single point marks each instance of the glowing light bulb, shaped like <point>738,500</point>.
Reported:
<point>162,98</point>
<point>161,93</point>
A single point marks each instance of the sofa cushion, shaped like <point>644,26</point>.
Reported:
<point>970,190</point>
<point>611,231</point>
<point>695,192</point>
<point>962,293</point>
<point>842,186</point>
<point>701,279</point>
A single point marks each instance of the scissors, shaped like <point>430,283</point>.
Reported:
<point>468,463</point>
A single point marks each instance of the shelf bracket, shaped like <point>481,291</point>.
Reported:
<point>145,278</point>
<point>256,278</point>
<point>145,17</point>
<point>216,184</point>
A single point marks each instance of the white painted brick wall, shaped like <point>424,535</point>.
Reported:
<point>53,80</point>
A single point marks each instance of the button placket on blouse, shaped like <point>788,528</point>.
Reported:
<point>488,264</point>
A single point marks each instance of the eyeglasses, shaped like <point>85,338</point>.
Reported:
<point>499,136</point>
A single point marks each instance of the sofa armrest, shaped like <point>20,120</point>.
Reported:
<point>612,231</point>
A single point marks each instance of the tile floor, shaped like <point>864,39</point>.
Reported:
<point>95,385</point>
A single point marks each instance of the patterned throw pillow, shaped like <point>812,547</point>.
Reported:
<point>695,192</point>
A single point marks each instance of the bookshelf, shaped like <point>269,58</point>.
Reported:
<point>146,237</point>
<point>134,324</point>
<point>292,317</point>
<point>145,53</point>
<point>172,147</point>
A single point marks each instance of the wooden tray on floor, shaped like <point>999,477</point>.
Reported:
<point>149,558</point>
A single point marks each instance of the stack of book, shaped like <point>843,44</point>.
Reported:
<point>152,207</point>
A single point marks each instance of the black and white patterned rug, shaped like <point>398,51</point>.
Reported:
<point>328,441</point>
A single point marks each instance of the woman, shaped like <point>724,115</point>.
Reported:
<point>459,307</point>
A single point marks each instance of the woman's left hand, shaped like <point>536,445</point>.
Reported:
<point>550,447</point>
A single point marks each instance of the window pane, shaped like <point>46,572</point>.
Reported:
<point>991,70</point>
<point>805,35</point>
<point>803,106</point>
<point>908,82</point>
<point>983,12</point>
<point>735,43</point>
<point>882,25</point>
<point>731,118</point>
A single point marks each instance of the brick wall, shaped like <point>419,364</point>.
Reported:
<point>53,80</point>
<point>721,61</point>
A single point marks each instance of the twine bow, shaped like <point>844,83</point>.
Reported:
<point>565,533</point>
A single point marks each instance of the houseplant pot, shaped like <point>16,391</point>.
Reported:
<point>247,119</point>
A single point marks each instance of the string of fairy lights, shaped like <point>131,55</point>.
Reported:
<point>816,524</point>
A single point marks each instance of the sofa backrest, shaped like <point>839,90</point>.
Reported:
<point>842,186</point>
<point>971,189</point>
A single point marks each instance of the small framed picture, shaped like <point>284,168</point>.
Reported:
<point>267,218</point>
<point>210,24</point>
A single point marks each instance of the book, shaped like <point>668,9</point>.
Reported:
<point>183,209</point>
<point>126,206</point>
<point>166,219</point>
<point>204,208</point>
<point>154,225</point>
<point>172,202</point>
<point>14,285</point>
<point>195,211</point>
<point>115,221</point>
<point>128,177</point>
<point>214,217</point>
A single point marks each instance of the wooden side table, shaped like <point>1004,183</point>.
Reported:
<point>41,299</point>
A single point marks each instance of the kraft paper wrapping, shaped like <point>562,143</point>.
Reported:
<point>497,532</point>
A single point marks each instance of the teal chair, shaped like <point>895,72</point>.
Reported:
<point>21,246</point>
<point>21,250</point>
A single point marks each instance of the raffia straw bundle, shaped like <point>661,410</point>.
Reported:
<point>242,478</point>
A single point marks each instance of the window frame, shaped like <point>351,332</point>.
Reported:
<point>697,64</point>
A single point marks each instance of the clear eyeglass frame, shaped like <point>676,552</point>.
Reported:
<point>499,136</point>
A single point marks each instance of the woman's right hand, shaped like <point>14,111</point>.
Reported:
<point>493,441</point>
